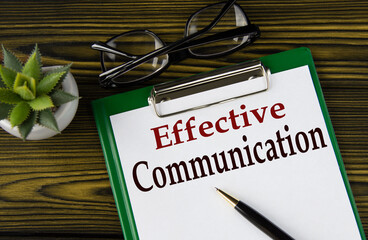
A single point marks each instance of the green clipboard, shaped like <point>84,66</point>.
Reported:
<point>105,107</point>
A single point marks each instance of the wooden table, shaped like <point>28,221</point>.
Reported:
<point>59,188</point>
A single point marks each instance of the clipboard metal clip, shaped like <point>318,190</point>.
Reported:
<point>253,73</point>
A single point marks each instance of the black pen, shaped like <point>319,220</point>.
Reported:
<point>256,218</point>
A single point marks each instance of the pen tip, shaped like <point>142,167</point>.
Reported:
<point>216,189</point>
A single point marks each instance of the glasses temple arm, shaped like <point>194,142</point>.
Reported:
<point>119,70</point>
<point>100,46</point>
<point>250,30</point>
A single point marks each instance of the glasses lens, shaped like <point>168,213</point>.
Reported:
<point>134,45</point>
<point>234,17</point>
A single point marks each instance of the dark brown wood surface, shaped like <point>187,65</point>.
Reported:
<point>59,188</point>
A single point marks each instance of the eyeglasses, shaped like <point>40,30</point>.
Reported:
<point>213,31</point>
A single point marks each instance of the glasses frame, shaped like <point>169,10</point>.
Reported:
<point>106,78</point>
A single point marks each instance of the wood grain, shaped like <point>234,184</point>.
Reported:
<point>59,188</point>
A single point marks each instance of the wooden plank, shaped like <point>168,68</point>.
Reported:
<point>59,188</point>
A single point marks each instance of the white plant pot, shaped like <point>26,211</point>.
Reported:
<point>63,115</point>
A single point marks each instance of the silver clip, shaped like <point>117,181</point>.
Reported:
<point>221,77</point>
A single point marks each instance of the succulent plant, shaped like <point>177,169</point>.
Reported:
<point>28,96</point>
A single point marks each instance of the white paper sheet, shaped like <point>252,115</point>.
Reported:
<point>302,193</point>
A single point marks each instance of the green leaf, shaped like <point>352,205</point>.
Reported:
<point>64,69</point>
<point>41,103</point>
<point>4,110</point>
<point>25,86</point>
<point>8,76</point>
<point>48,120</point>
<point>26,127</point>
<point>60,97</point>
<point>32,68</point>
<point>19,113</point>
<point>9,97</point>
<point>48,83</point>
<point>2,84</point>
<point>24,93</point>
<point>11,61</point>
